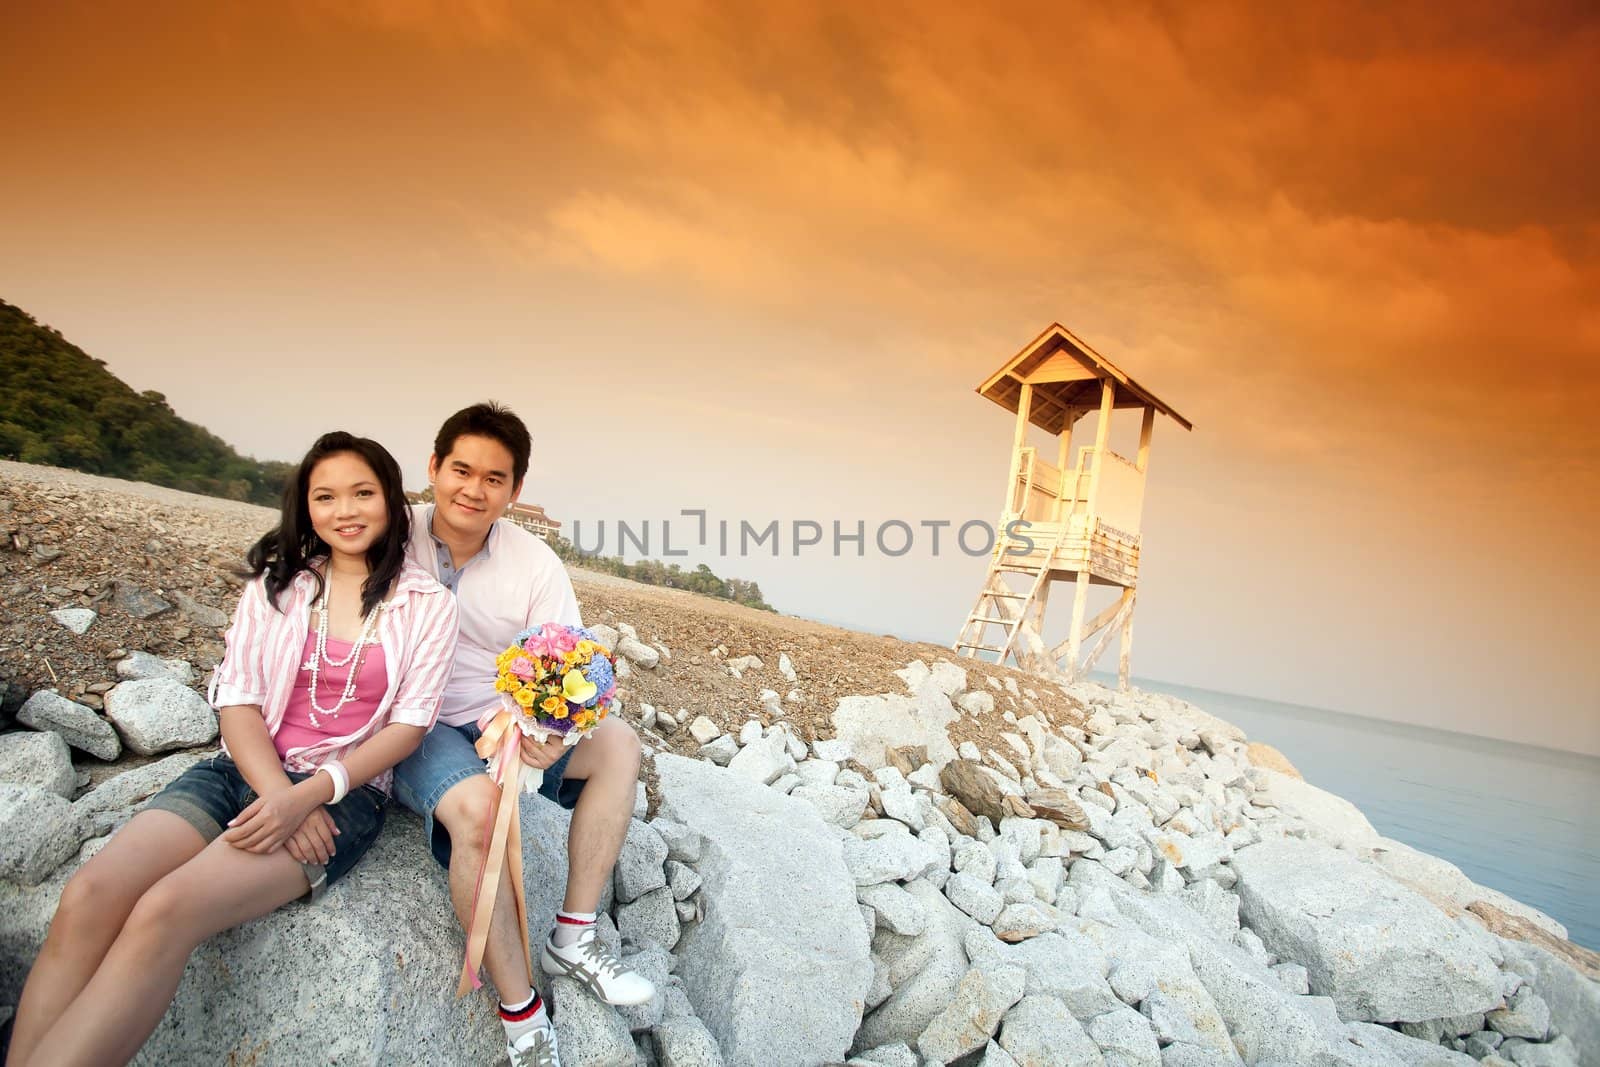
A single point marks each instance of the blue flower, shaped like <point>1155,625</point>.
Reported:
<point>599,671</point>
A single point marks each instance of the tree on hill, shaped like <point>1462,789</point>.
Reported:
<point>61,407</point>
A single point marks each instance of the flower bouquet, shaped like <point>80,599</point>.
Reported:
<point>554,681</point>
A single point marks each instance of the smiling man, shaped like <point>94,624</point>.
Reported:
<point>505,579</point>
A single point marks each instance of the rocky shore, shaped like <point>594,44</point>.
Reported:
<point>846,849</point>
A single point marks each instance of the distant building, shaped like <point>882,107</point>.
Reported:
<point>531,517</point>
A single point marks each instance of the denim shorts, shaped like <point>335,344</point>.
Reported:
<point>212,792</point>
<point>447,756</point>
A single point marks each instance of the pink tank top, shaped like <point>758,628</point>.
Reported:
<point>298,730</point>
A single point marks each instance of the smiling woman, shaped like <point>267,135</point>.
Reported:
<point>336,660</point>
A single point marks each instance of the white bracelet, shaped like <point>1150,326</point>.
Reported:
<point>341,779</point>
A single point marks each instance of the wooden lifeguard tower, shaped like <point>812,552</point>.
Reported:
<point>1076,520</point>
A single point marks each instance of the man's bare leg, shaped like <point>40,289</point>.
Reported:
<point>608,761</point>
<point>466,811</point>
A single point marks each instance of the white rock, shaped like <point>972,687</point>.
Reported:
<point>1573,999</point>
<point>639,866</point>
<point>1383,953</point>
<point>973,1015</point>
<point>1331,818</point>
<point>682,1042</point>
<point>864,726</point>
<point>923,971</point>
<point>1294,978</point>
<point>119,796</point>
<point>1064,964</point>
<point>840,805</point>
<point>78,620</point>
<point>1019,921</point>
<point>582,1022</point>
<point>1125,1038</point>
<point>39,831</point>
<point>1526,1016</point>
<point>36,759</point>
<point>785,667</point>
<point>650,919</point>
<point>896,908</point>
<point>976,702</point>
<point>78,725</point>
<point>889,857</point>
<point>704,730</point>
<point>159,714</point>
<point>975,897</point>
<point>779,967</point>
<point>720,750</point>
<point>636,651</point>
<point>764,760</point>
<point>140,666</point>
<point>1040,1032</point>
<point>898,1054</point>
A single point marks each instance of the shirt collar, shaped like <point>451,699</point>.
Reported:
<point>488,542</point>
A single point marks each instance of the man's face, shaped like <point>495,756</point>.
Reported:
<point>472,486</point>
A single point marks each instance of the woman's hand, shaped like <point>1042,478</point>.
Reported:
<point>313,841</point>
<point>542,754</point>
<point>271,820</point>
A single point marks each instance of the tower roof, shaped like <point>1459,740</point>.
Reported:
<point>1066,374</point>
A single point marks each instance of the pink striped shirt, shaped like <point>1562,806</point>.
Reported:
<point>416,627</point>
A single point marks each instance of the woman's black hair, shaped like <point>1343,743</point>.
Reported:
<point>289,548</point>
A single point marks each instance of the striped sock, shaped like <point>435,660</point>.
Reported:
<point>570,926</point>
<point>519,1019</point>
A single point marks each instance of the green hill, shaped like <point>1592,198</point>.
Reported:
<point>61,407</point>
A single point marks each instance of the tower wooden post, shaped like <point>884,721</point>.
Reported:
<point>1081,516</point>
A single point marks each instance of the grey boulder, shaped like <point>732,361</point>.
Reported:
<point>160,714</point>
<point>37,759</point>
<point>1382,952</point>
<point>78,725</point>
<point>779,968</point>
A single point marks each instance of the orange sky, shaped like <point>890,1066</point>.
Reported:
<point>774,251</point>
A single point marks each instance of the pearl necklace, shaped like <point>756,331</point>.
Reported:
<point>369,627</point>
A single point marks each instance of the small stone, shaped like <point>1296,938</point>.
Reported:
<point>637,652</point>
<point>651,919</point>
<point>79,726</point>
<point>896,909</point>
<point>977,898</point>
<point>77,620</point>
<point>721,750</point>
<point>639,864</point>
<point>1019,921</point>
<point>704,730</point>
<point>1526,1016</point>
<point>681,879</point>
<point>138,603</point>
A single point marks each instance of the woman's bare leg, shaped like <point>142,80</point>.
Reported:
<point>93,907</point>
<point>132,988</point>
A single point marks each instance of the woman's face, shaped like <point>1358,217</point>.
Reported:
<point>347,507</point>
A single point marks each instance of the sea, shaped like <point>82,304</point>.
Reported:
<point>1518,818</point>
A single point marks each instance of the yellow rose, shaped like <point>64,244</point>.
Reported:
<point>524,697</point>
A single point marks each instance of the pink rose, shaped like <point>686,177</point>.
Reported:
<point>560,639</point>
<point>522,667</point>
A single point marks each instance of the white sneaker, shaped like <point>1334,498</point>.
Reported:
<point>536,1048</point>
<point>587,961</point>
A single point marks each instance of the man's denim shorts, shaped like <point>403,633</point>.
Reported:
<point>213,791</point>
<point>447,756</point>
